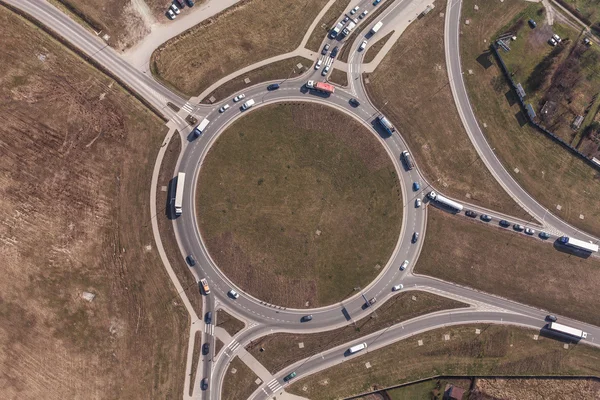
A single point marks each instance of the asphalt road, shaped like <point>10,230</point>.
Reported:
<point>272,318</point>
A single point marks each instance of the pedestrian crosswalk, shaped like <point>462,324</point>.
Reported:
<point>189,107</point>
<point>209,329</point>
<point>327,61</point>
<point>274,385</point>
<point>233,346</point>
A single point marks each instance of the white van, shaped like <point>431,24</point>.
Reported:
<point>357,348</point>
<point>248,104</point>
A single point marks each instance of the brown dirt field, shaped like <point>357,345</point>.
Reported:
<point>282,349</point>
<point>228,322</point>
<point>238,385</point>
<point>499,261</point>
<point>326,24</point>
<point>296,214</point>
<point>242,35</point>
<point>422,109</point>
<point>165,226</point>
<point>126,22</point>
<point>74,190</point>
<point>532,389</point>
<point>195,358</point>
<point>549,173</point>
<point>497,350</point>
<point>376,48</point>
<point>283,69</point>
<point>338,77</point>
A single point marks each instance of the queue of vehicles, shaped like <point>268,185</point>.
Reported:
<point>176,6</point>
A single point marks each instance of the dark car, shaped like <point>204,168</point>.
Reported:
<point>470,213</point>
<point>204,384</point>
<point>376,2</point>
<point>191,260</point>
<point>325,49</point>
<point>273,86</point>
<point>544,235</point>
<point>551,318</point>
<point>415,237</point>
<point>190,3</point>
<point>306,318</point>
<point>208,318</point>
<point>354,102</point>
<point>518,228</point>
<point>290,377</point>
<point>334,52</point>
<point>485,217</point>
<point>205,348</point>
<point>532,24</point>
<point>504,223</point>
<point>416,186</point>
<point>179,3</point>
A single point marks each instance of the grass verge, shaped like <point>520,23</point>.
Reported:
<point>75,220</point>
<point>283,69</point>
<point>326,24</point>
<point>228,322</point>
<point>250,31</point>
<point>376,48</point>
<point>218,346</point>
<point>411,87</point>
<point>300,204</point>
<point>497,350</point>
<point>239,381</point>
<point>549,173</point>
<point>502,262</point>
<point>338,77</point>
<point>282,349</point>
<point>195,359</point>
<point>165,225</point>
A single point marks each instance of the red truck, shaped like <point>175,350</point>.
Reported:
<point>320,87</point>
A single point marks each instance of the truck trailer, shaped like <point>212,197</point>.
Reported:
<point>447,202</point>
<point>320,87</point>
<point>179,193</point>
<point>567,330</point>
<point>348,28</point>
<point>376,27</point>
<point>579,244</point>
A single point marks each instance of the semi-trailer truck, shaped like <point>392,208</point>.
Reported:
<point>578,244</point>
<point>320,87</point>
<point>201,127</point>
<point>447,202</point>
<point>179,193</point>
<point>567,330</point>
<point>386,124</point>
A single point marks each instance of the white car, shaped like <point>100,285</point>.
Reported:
<point>364,14</point>
<point>171,13</point>
<point>175,9</point>
<point>418,203</point>
<point>354,10</point>
<point>404,265</point>
<point>325,70</point>
<point>552,42</point>
<point>557,38</point>
<point>318,64</point>
<point>397,287</point>
<point>238,97</point>
<point>362,45</point>
<point>233,294</point>
<point>224,108</point>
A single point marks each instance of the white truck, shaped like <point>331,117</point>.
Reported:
<point>567,330</point>
<point>201,127</point>
<point>336,30</point>
<point>376,27</point>
<point>348,28</point>
<point>179,193</point>
<point>447,202</point>
<point>357,348</point>
<point>248,104</point>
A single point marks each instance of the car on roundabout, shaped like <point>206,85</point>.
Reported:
<point>273,86</point>
<point>233,294</point>
<point>397,287</point>
<point>415,237</point>
<point>529,231</point>
<point>353,102</point>
<point>544,235</point>
<point>485,218</point>
<point>290,377</point>
<point>404,265</point>
<point>239,97</point>
<point>204,384</point>
<point>416,186</point>
<point>418,203</point>
<point>224,108</point>
<point>306,318</point>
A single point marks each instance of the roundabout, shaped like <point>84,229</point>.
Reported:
<point>298,204</point>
